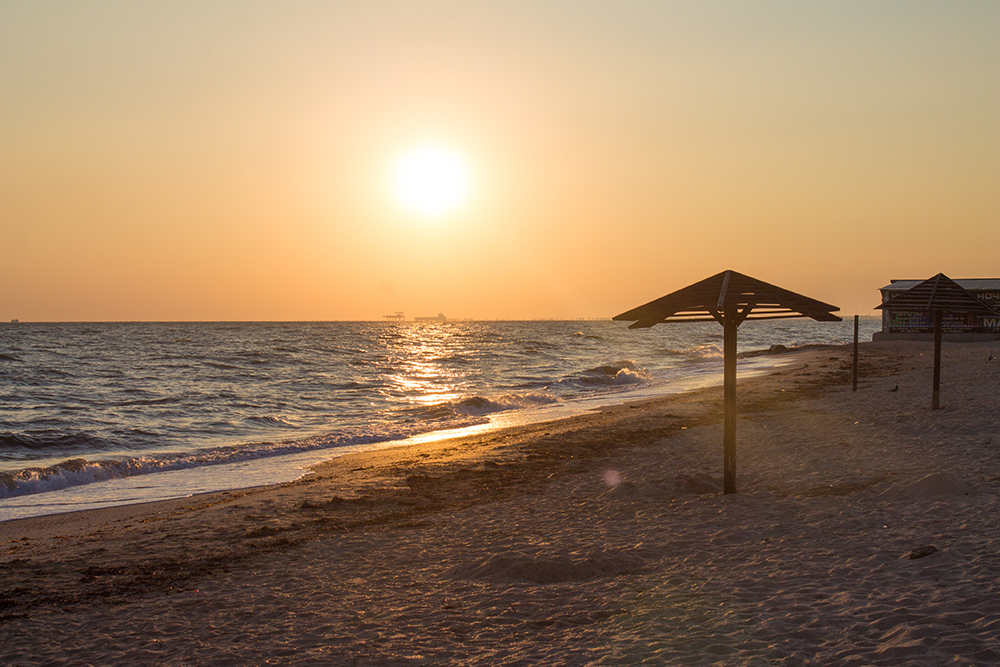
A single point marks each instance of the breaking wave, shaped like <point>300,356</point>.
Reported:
<point>272,421</point>
<point>14,444</point>
<point>479,406</point>
<point>614,374</point>
<point>702,353</point>
<point>80,470</point>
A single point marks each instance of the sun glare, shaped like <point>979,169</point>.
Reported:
<point>431,181</point>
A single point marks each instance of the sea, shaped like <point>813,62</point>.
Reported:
<point>103,414</point>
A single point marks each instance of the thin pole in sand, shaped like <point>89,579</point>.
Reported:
<point>936,400</point>
<point>730,323</point>
<point>855,353</point>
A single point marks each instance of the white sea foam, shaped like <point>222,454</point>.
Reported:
<point>80,471</point>
<point>703,353</point>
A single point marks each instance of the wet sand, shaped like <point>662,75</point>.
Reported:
<point>866,532</point>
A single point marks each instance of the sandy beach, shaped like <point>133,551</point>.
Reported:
<point>866,531</point>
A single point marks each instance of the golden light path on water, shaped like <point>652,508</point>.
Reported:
<point>423,380</point>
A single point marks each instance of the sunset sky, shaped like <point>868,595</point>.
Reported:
<point>240,160</point>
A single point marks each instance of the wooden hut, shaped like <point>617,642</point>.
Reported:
<point>933,298</point>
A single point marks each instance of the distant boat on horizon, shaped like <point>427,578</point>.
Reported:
<point>440,318</point>
<point>14,321</point>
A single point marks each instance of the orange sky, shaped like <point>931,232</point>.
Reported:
<point>233,160</point>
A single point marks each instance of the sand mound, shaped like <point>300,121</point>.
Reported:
<point>630,491</point>
<point>699,483</point>
<point>552,569</point>
<point>935,485</point>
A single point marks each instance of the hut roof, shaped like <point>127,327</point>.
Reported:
<point>937,293</point>
<point>965,283</point>
<point>708,300</point>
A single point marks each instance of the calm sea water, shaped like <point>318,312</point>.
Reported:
<point>98,414</point>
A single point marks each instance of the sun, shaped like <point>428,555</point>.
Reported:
<point>431,181</point>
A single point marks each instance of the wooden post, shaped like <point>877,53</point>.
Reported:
<point>729,397</point>
<point>936,400</point>
<point>855,353</point>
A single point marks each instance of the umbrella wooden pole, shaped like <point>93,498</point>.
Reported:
<point>936,400</point>
<point>855,385</point>
<point>729,396</point>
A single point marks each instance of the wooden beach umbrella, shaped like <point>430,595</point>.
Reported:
<point>936,296</point>
<point>728,298</point>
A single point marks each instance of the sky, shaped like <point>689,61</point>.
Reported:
<point>210,160</point>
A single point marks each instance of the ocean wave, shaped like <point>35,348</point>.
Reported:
<point>479,406</point>
<point>784,349</point>
<point>54,372</point>
<point>80,471</point>
<point>19,443</point>
<point>253,354</point>
<point>165,400</point>
<point>536,346</point>
<point>271,420</point>
<point>614,374</point>
<point>354,385</point>
<point>221,366</point>
<point>702,353</point>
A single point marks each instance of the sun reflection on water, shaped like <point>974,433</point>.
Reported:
<point>424,378</point>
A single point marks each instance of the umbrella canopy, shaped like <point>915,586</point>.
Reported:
<point>728,298</point>
<point>709,299</point>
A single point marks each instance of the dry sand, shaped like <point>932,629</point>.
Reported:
<point>865,533</point>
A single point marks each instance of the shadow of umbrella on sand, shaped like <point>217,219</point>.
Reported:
<point>729,298</point>
<point>934,297</point>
